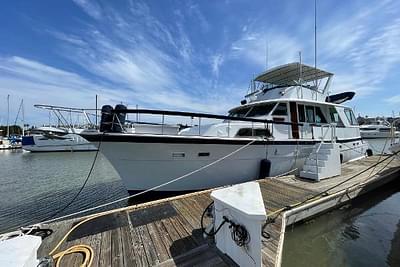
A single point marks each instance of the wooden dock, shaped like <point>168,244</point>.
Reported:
<point>168,233</point>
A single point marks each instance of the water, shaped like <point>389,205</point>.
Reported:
<point>35,185</point>
<point>363,233</point>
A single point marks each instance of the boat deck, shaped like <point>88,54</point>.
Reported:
<point>167,232</point>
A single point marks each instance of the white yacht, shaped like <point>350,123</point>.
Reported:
<point>276,127</point>
<point>55,139</point>
<point>378,129</point>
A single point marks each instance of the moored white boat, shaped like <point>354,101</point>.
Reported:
<point>378,129</point>
<point>53,139</point>
<point>275,129</point>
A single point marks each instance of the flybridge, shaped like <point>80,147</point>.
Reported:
<point>290,76</point>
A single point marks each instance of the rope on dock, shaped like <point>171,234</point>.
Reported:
<point>86,250</point>
<point>153,188</point>
<point>83,185</point>
<point>326,192</point>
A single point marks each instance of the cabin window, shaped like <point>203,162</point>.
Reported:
<point>254,132</point>
<point>302,117</point>
<point>261,110</point>
<point>281,110</point>
<point>335,116</point>
<point>310,114</point>
<point>240,113</point>
<point>350,117</point>
<point>319,116</point>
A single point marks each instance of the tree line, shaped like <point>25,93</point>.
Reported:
<point>14,130</point>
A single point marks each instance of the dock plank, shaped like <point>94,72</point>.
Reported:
<point>140,246</point>
<point>159,245</point>
<point>105,249</point>
<point>117,252</point>
<point>129,255</point>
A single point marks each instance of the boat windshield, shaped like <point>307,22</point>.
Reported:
<point>253,111</point>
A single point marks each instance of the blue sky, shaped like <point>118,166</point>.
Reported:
<point>190,55</point>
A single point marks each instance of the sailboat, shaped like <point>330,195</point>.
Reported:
<point>9,142</point>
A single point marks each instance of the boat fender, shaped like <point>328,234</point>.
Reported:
<point>121,118</point>
<point>265,168</point>
<point>369,152</point>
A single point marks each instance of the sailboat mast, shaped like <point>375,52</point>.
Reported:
<point>23,117</point>
<point>8,116</point>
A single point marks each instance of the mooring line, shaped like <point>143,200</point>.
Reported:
<point>150,189</point>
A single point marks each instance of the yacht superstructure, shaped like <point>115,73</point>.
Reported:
<point>378,129</point>
<point>274,129</point>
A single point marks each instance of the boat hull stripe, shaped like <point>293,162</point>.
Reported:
<point>196,140</point>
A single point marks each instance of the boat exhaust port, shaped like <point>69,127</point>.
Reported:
<point>238,214</point>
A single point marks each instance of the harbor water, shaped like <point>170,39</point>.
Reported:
<point>34,186</point>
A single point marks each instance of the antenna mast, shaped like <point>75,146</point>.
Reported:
<point>266,53</point>
<point>315,37</point>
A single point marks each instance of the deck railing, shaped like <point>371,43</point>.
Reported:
<point>306,130</point>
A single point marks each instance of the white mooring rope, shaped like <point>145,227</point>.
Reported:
<point>150,189</point>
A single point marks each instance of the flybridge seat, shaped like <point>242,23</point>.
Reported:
<point>291,74</point>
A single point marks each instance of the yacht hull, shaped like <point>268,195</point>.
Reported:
<point>378,134</point>
<point>71,142</point>
<point>146,162</point>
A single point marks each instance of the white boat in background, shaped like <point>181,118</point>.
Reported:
<point>286,115</point>
<point>11,141</point>
<point>61,138</point>
<point>378,129</point>
<point>52,139</point>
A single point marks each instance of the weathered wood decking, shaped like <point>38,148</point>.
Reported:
<point>167,232</point>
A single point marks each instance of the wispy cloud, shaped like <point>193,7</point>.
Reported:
<point>90,7</point>
<point>216,62</point>
<point>393,99</point>
<point>177,56</point>
<point>152,68</point>
<point>38,83</point>
<point>253,47</point>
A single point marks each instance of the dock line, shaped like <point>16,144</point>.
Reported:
<point>325,192</point>
<point>150,189</point>
<point>86,250</point>
<point>83,185</point>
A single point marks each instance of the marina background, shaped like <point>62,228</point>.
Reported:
<point>36,185</point>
